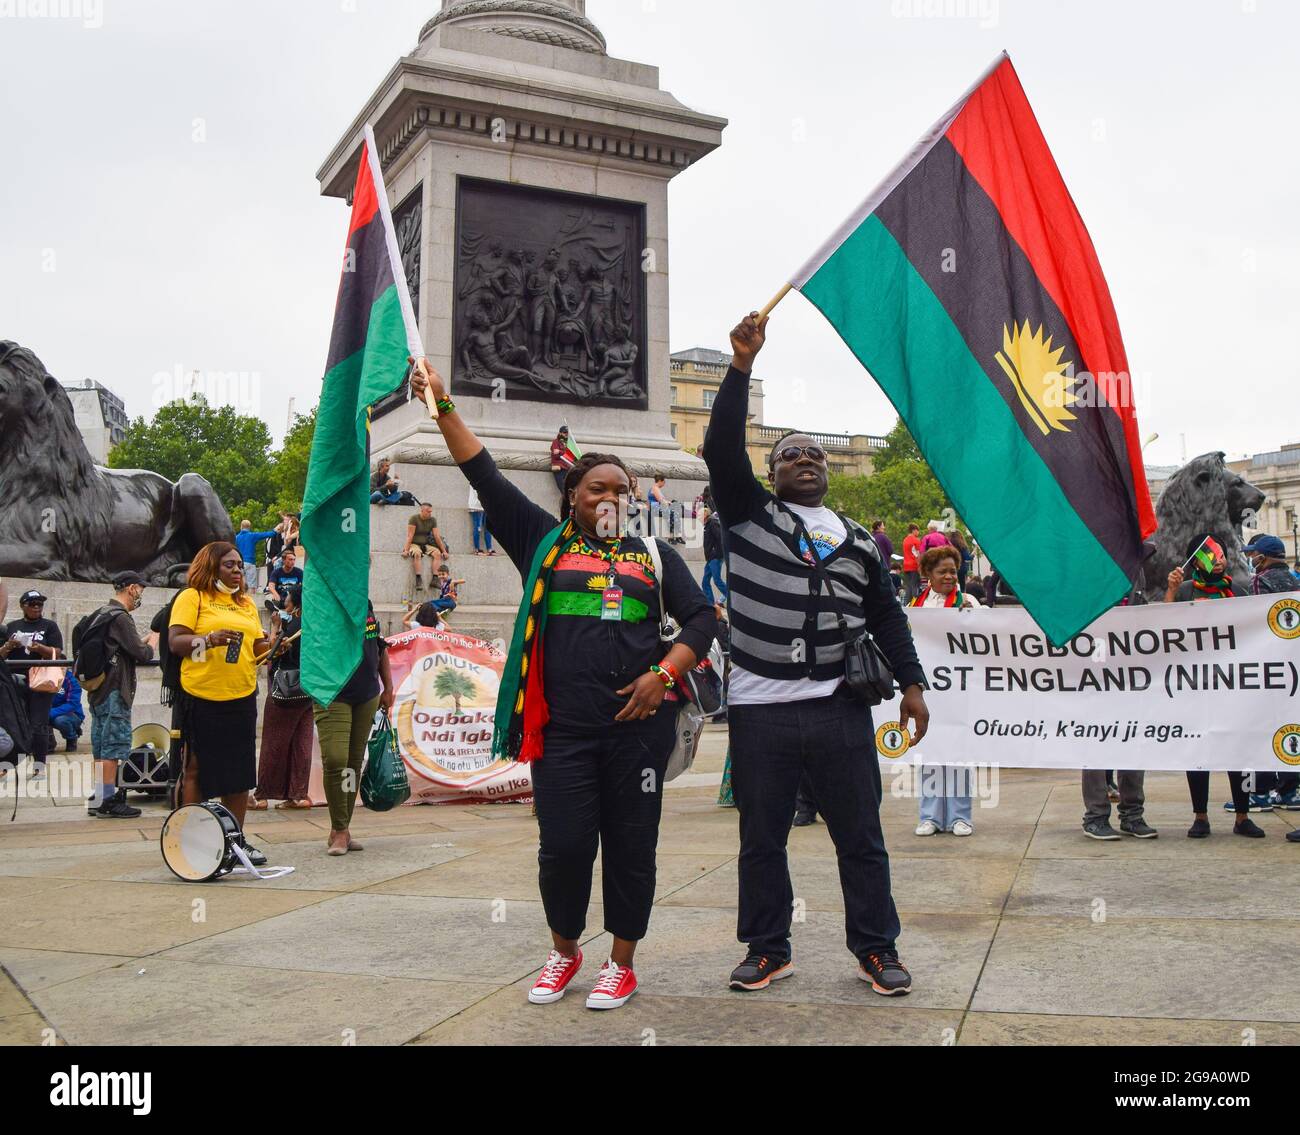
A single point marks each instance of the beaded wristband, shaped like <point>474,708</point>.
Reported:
<point>671,670</point>
<point>445,405</point>
<point>668,680</point>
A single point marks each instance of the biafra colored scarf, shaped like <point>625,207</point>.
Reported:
<point>522,712</point>
<point>1211,586</point>
<point>955,598</point>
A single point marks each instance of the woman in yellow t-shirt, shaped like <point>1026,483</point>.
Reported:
<point>217,633</point>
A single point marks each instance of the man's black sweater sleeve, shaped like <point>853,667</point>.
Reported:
<point>516,523</point>
<point>735,491</point>
<point>891,630</point>
<point>686,603</point>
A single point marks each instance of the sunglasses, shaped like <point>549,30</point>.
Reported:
<point>794,452</point>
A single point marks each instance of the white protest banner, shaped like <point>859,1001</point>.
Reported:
<point>1207,685</point>
<point>444,713</point>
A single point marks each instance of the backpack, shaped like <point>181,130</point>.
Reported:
<point>90,648</point>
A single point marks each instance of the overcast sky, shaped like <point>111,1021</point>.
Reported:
<point>160,215</point>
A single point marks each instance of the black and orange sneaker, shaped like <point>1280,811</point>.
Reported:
<point>885,973</point>
<point>758,971</point>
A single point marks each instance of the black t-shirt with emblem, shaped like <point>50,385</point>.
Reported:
<point>587,658</point>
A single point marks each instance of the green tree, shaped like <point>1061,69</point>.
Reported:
<point>453,684</point>
<point>232,450</point>
<point>901,490</point>
<point>899,449</point>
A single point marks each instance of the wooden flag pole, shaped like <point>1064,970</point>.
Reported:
<point>776,299</point>
<point>422,365</point>
<point>259,659</point>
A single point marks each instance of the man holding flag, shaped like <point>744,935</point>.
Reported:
<point>804,582</point>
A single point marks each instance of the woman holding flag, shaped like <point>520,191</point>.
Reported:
<point>1210,580</point>
<point>588,693</point>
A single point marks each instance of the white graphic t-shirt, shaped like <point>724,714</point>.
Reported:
<point>744,688</point>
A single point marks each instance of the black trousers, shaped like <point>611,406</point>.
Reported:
<point>771,747</point>
<point>38,713</point>
<point>803,799</point>
<point>1198,784</point>
<point>1282,782</point>
<point>601,789</point>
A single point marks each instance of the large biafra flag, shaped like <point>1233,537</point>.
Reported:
<point>968,286</point>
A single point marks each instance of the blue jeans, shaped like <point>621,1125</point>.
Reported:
<point>385,498</point>
<point>68,724</point>
<point>480,531</point>
<point>110,728</point>
<point>942,798</point>
<point>713,574</point>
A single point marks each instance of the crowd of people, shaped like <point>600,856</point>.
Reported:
<point>610,623</point>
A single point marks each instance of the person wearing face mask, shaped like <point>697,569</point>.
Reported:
<point>588,693</point>
<point>1267,556</point>
<point>1209,579</point>
<point>217,633</point>
<point>111,700</point>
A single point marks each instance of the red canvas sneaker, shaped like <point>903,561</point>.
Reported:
<point>555,977</point>
<point>614,986</point>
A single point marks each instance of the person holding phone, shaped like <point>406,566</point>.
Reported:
<point>34,638</point>
<point>217,633</point>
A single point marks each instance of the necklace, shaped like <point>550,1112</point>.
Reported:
<point>603,554</point>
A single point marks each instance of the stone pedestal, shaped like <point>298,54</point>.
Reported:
<point>521,93</point>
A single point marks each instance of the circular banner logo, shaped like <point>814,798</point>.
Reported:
<point>1284,618</point>
<point>1286,744</point>
<point>892,740</point>
<point>445,713</point>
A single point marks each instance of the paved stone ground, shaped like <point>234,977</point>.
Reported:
<point>1024,933</point>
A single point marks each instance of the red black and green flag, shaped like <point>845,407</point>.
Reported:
<point>374,332</point>
<point>968,286</point>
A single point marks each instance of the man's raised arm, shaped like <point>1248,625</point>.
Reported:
<point>735,490</point>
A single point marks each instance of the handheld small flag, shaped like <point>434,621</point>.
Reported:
<point>374,332</point>
<point>1209,551</point>
<point>571,446</point>
<point>968,286</point>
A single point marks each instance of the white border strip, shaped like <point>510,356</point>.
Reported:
<point>891,182</point>
<point>413,343</point>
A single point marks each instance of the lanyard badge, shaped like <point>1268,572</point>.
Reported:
<point>611,603</point>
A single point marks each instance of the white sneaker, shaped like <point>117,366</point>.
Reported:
<point>961,827</point>
<point>927,827</point>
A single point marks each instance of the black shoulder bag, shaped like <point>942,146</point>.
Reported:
<point>867,672</point>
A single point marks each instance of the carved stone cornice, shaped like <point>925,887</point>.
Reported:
<point>576,31</point>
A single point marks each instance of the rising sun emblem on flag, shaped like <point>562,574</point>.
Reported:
<point>1040,378</point>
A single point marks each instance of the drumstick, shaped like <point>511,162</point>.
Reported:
<point>283,642</point>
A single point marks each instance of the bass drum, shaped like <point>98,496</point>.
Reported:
<point>198,842</point>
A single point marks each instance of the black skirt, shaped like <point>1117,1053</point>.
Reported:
<point>222,737</point>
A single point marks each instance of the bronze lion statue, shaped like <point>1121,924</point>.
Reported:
<point>63,517</point>
<point>1203,496</point>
